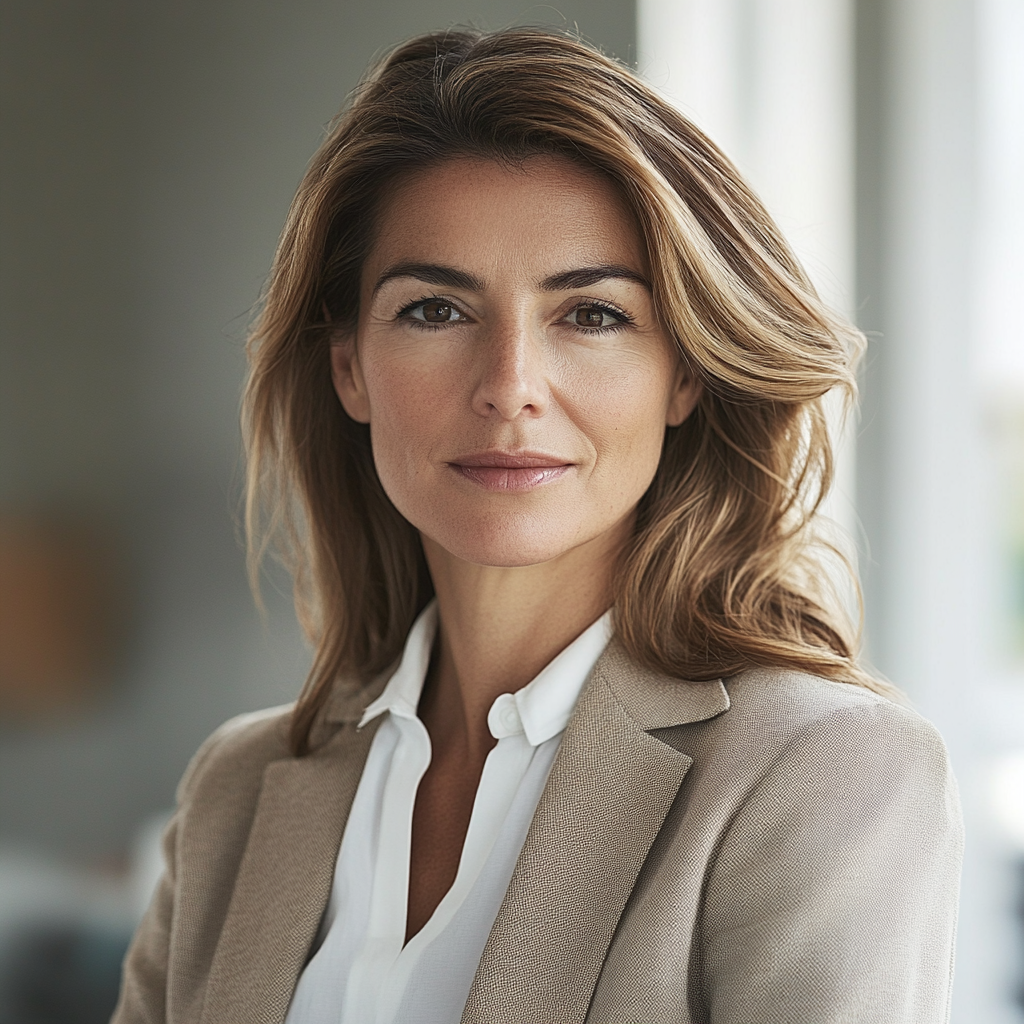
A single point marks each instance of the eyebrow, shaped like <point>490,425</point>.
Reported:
<point>586,276</point>
<point>431,273</point>
<point>452,277</point>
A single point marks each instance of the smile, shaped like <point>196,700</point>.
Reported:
<point>507,471</point>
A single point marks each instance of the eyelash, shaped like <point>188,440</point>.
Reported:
<point>424,325</point>
<point>624,319</point>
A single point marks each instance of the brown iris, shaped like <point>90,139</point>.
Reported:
<point>437,311</point>
<point>590,316</point>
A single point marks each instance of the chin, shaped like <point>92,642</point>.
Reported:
<point>508,542</point>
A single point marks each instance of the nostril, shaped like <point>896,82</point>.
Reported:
<point>510,391</point>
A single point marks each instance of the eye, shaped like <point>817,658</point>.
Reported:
<point>436,312</point>
<point>432,311</point>
<point>595,317</point>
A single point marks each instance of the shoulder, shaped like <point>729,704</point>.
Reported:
<point>785,710</point>
<point>786,731</point>
<point>813,781</point>
<point>828,749</point>
<point>235,755</point>
<point>834,843</point>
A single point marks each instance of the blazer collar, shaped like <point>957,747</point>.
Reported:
<point>285,875</point>
<point>347,701</point>
<point>610,788</point>
<point>653,700</point>
<point>284,880</point>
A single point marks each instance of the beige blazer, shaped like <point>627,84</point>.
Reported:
<point>771,848</point>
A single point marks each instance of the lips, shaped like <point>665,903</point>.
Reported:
<point>510,471</point>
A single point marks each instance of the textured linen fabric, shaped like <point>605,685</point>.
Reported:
<point>363,971</point>
<point>768,848</point>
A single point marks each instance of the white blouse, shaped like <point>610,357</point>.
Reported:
<point>363,973</point>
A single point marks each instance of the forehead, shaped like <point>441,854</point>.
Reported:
<point>540,215</point>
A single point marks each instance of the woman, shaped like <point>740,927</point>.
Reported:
<point>536,408</point>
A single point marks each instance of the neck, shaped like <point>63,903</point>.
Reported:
<point>499,626</point>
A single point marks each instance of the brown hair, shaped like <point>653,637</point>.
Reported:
<point>723,571</point>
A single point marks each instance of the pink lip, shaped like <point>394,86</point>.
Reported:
<point>510,471</point>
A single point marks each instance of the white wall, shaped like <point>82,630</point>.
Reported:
<point>771,81</point>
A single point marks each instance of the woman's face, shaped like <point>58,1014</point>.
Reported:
<point>509,360</point>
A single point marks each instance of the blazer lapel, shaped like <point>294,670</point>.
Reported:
<point>284,880</point>
<point>609,791</point>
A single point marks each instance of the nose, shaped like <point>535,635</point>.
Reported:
<point>511,371</point>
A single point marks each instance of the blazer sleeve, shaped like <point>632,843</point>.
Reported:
<point>143,998</point>
<point>833,896</point>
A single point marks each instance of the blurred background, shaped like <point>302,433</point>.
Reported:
<point>148,153</point>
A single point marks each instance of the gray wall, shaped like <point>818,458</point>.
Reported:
<point>149,155</point>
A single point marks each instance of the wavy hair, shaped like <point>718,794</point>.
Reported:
<point>724,570</point>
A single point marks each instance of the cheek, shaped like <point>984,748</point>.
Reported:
<point>408,407</point>
<point>623,412</point>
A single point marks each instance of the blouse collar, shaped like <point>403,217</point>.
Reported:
<point>540,710</point>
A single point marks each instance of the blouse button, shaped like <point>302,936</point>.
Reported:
<point>503,718</point>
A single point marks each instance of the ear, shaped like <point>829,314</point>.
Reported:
<point>347,377</point>
<point>686,392</point>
